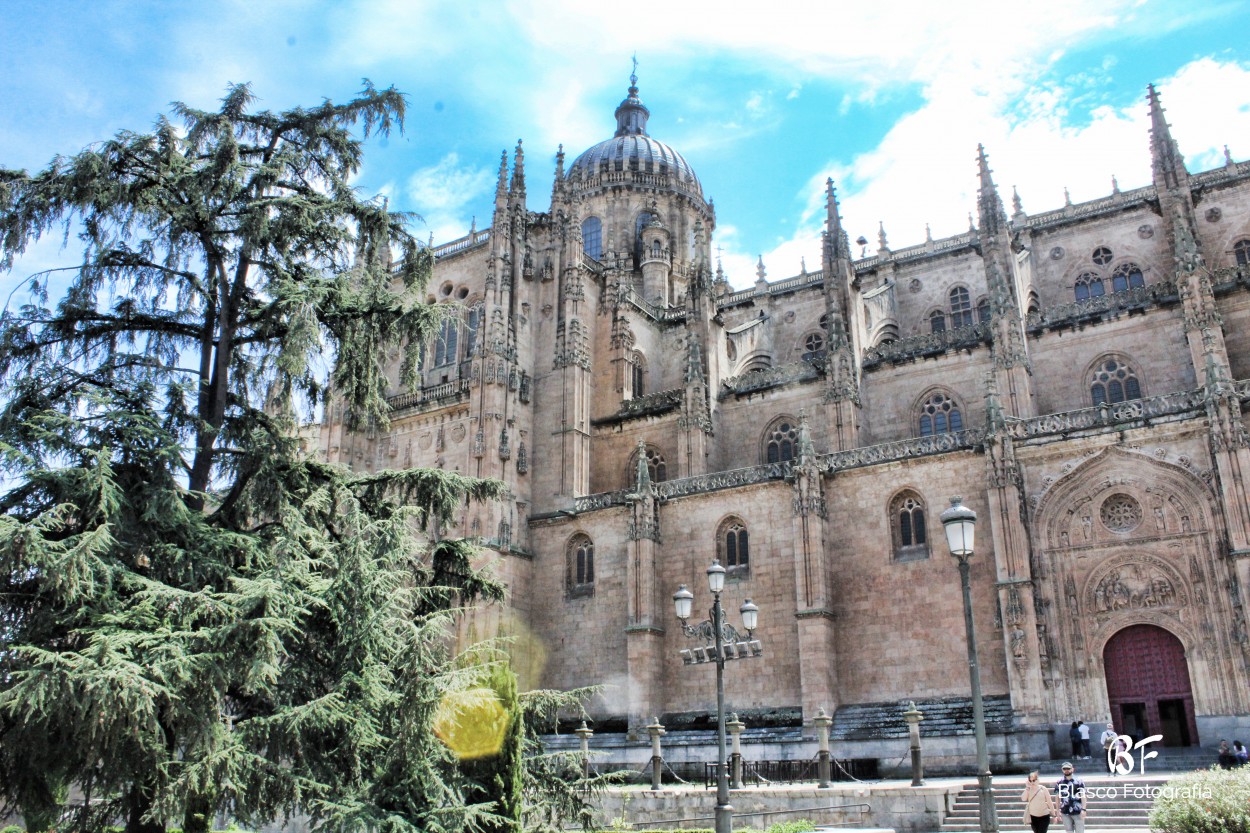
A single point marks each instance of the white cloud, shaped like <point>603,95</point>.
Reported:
<point>444,192</point>
<point>924,170</point>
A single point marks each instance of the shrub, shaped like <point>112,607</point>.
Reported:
<point>796,826</point>
<point>1208,801</point>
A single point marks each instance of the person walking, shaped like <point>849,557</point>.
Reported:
<point>1038,806</point>
<point>1070,792</point>
<point>1084,729</point>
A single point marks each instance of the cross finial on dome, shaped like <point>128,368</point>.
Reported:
<point>632,114</point>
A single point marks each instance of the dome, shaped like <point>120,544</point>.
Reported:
<point>631,149</point>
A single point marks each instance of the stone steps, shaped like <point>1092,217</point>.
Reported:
<point>1113,805</point>
<point>945,717</point>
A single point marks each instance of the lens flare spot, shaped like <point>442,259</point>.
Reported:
<point>471,723</point>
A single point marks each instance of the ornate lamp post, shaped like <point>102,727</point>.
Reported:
<point>960,523</point>
<point>721,642</point>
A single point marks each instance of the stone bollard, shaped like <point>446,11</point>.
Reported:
<point>913,716</point>
<point>735,727</point>
<point>585,733</point>
<point>655,730</point>
<point>822,722</point>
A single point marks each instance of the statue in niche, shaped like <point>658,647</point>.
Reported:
<point>1017,642</point>
<point>1087,527</point>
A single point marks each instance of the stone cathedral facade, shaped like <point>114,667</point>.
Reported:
<point>1077,375</point>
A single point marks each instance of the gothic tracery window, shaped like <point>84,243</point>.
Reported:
<point>638,375</point>
<point>961,308</point>
<point>1127,276</point>
<point>937,321</point>
<point>734,547</point>
<point>445,344</point>
<point>657,469</point>
<point>1241,252</point>
<point>1089,285</point>
<point>907,527</point>
<point>1114,381</point>
<point>939,414</point>
<point>580,566</point>
<point>592,237</point>
<point>781,441</point>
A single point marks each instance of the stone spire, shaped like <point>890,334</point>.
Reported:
<point>833,223</point>
<point>518,171</point>
<point>642,474</point>
<point>1166,161</point>
<point>560,163</point>
<point>632,114</point>
<point>501,186</point>
<point>992,215</point>
<point>883,243</point>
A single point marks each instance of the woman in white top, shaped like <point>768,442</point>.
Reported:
<point>1038,807</point>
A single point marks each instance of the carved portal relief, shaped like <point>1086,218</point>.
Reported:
<point>1135,582</point>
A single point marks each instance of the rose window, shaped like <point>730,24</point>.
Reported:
<point>1120,513</point>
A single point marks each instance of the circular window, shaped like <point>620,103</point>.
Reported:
<point>462,293</point>
<point>1101,256</point>
<point>445,289</point>
<point>1120,513</point>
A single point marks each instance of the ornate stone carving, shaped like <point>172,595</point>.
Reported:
<point>928,344</point>
<point>1138,298</point>
<point>770,377</point>
<point>1139,583</point>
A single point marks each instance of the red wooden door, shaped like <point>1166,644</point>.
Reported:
<point>1144,665</point>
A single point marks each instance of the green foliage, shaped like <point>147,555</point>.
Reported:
<point>1208,801</point>
<point>497,778</point>
<point>796,826</point>
<point>195,614</point>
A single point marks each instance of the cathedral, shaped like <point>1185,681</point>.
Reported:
<point>1077,376</point>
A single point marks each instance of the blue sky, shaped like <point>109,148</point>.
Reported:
<point>764,100</point>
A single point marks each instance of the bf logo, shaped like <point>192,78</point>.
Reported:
<point>1120,762</point>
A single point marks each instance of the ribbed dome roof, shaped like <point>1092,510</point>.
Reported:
<point>631,149</point>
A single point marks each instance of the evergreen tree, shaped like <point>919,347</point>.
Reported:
<point>195,615</point>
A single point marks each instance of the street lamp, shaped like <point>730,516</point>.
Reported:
<point>721,642</point>
<point>960,523</point>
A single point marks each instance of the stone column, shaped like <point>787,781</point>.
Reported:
<point>655,730</point>
<point>913,716</point>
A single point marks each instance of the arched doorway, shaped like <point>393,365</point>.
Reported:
<point>1148,685</point>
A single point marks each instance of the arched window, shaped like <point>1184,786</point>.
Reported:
<point>1114,381</point>
<point>1088,285</point>
<point>940,415</point>
<point>445,344</point>
<point>638,375</point>
<point>983,310</point>
<point>657,469</point>
<point>656,249</point>
<point>781,440</point>
<point>580,566</point>
<point>475,320</point>
<point>961,308</point>
<point>733,547</point>
<point>592,237</point>
<point>907,527</point>
<point>1241,252</point>
<point>813,347</point>
<point>643,220</point>
<point>937,321</point>
<point>1126,276</point>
